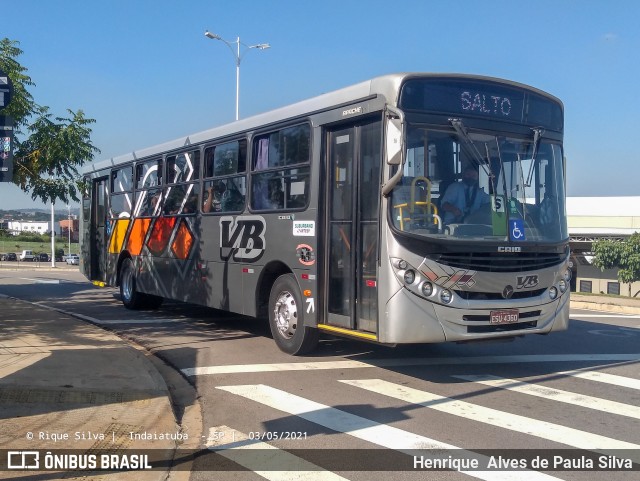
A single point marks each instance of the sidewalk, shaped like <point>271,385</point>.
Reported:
<point>67,384</point>
<point>617,305</point>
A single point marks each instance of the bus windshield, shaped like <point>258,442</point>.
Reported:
<point>479,186</point>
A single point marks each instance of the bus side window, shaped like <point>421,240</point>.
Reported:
<point>280,179</point>
<point>226,187</point>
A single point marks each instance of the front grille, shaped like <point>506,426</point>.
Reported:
<point>497,296</point>
<point>499,262</point>
<point>485,317</point>
<point>502,327</point>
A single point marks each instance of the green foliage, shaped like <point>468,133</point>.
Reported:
<point>46,162</point>
<point>624,256</point>
<point>32,237</point>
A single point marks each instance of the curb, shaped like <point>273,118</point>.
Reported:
<point>595,306</point>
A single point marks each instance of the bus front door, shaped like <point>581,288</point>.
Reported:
<point>354,168</point>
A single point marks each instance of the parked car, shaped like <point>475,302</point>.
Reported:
<point>73,259</point>
<point>42,257</point>
<point>26,255</point>
<point>11,256</point>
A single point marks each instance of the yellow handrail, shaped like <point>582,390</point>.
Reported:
<point>427,207</point>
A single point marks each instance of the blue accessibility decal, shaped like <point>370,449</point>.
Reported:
<point>516,230</point>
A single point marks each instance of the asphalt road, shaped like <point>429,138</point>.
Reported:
<point>351,401</point>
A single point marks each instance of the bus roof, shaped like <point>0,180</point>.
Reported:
<point>386,86</point>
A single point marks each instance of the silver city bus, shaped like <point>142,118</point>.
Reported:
<point>410,208</point>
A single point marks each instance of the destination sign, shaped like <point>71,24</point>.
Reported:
<point>481,98</point>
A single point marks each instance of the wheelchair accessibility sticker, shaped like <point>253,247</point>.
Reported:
<point>516,230</point>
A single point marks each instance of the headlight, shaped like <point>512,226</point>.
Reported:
<point>446,296</point>
<point>562,285</point>
<point>553,293</point>
<point>401,264</point>
<point>427,289</point>
<point>567,275</point>
<point>409,277</point>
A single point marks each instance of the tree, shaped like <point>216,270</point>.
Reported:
<point>48,150</point>
<point>621,255</point>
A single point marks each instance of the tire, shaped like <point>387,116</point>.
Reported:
<point>286,318</point>
<point>131,298</point>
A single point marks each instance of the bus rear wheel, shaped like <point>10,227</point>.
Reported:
<point>286,318</point>
<point>131,297</point>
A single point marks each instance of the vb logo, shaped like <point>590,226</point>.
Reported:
<point>525,282</point>
<point>242,237</point>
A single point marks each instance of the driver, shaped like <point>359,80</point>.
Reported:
<point>463,198</point>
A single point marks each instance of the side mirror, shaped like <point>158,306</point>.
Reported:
<point>394,142</point>
<point>393,137</point>
<point>394,148</point>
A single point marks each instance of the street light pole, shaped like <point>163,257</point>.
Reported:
<point>238,56</point>
<point>69,226</point>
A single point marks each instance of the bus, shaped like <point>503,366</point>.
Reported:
<point>337,215</point>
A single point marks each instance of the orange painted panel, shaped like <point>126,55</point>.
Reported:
<point>117,235</point>
<point>160,234</point>
<point>137,235</point>
<point>183,241</point>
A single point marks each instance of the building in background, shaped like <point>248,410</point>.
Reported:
<point>69,224</point>
<point>594,218</point>
<point>17,227</point>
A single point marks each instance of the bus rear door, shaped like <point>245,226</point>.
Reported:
<point>98,234</point>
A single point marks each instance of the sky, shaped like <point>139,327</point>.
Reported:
<point>146,73</point>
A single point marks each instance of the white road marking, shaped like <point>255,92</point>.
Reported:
<point>320,365</point>
<point>604,378</point>
<point>567,397</point>
<point>370,431</point>
<point>41,281</point>
<point>265,460</point>
<point>513,422</point>
<point>135,321</point>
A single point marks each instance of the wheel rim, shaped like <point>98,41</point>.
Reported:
<point>127,283</point>
<point>286,314</point>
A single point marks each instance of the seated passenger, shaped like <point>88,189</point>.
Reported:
<point>462,199</point>
<point>232,200</point>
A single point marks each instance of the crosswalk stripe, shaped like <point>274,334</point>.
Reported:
<point>368,430</point>
<point>475,360</point>
<point>494,417</point>
<point>264,459</point>
<point>559,395</point>
<point>603,377</point>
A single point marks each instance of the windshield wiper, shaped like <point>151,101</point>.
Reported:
<point>537,135</point>
<point>461,130</point>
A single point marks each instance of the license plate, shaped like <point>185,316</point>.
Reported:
<point>507,316</point>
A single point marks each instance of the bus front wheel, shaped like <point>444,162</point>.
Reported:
<point>286,318</point>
